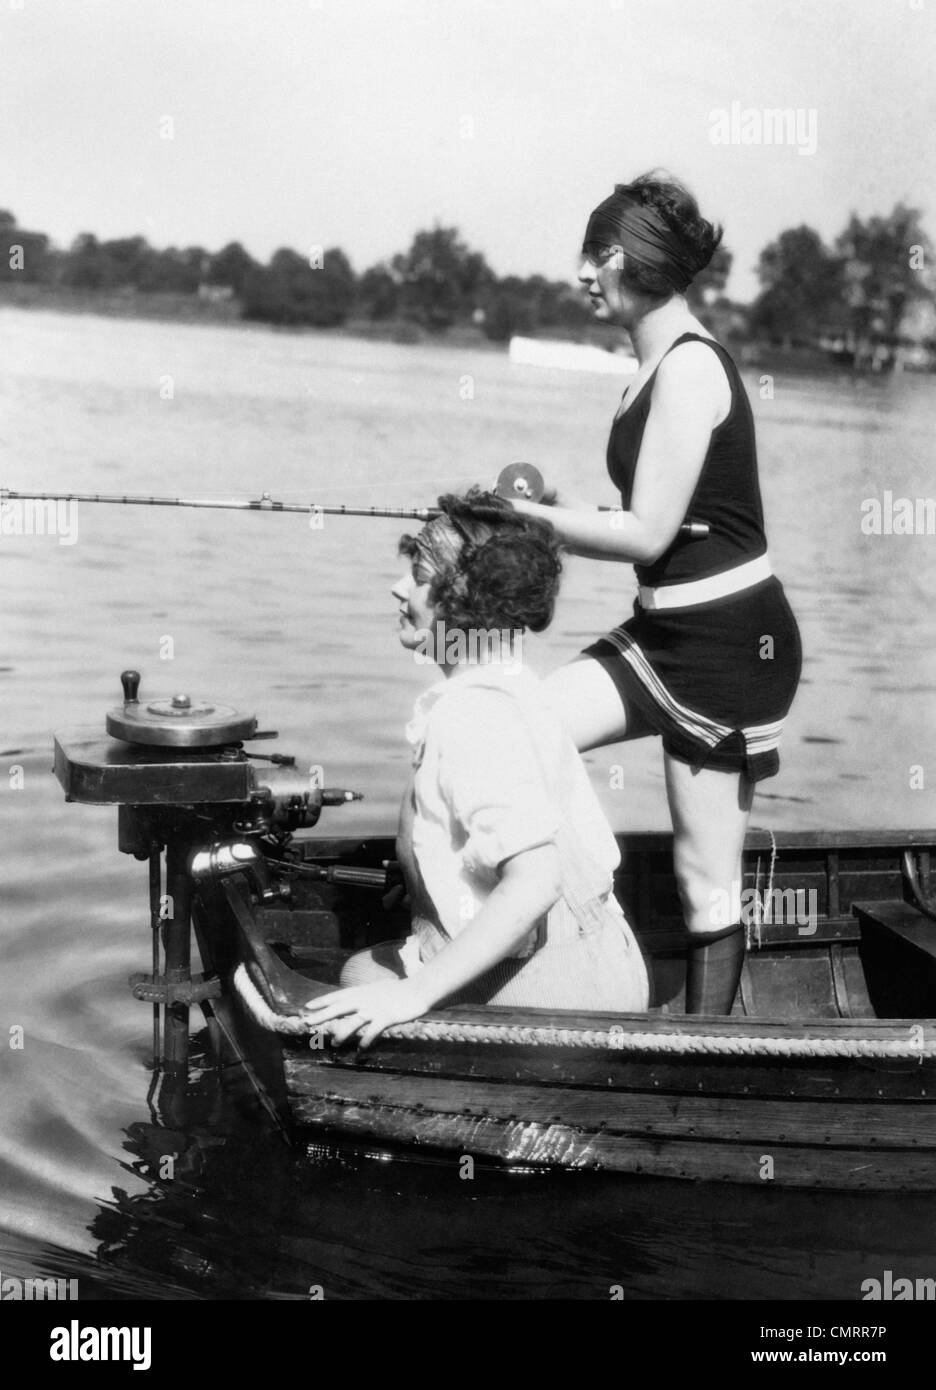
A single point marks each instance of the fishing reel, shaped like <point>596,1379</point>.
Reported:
<point>520,482</point>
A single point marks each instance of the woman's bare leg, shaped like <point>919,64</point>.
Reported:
<point>373,965</point>
<point>588,703</point>
<point>710,813</point>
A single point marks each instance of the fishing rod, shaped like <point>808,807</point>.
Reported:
<point>518,481</point>
<point>264,503</point>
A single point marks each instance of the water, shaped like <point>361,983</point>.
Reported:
<point>299,624</point>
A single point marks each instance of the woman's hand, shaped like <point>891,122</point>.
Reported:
<point>365,1009</point>
<point>552,497</point>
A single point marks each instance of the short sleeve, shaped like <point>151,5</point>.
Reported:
<point>491,778</point>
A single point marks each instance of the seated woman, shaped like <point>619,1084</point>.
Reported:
<point>505,850</point>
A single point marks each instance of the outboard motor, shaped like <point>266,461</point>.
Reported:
<point>186,787</point>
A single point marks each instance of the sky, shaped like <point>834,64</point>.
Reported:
<point>355,123</point>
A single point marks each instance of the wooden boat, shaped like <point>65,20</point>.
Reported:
<point>824,1075</point>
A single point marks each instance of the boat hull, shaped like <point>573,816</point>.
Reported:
<point>836,1123</point>
<point>837,1099</point>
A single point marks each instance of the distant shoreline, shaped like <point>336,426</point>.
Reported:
<point>164,306</point>
<point>187,309</point>
<point>171,307</point>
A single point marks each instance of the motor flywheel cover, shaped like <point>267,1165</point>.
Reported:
<point>176,721</point>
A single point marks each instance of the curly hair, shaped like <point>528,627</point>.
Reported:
<point>490,566</point>
<point>679,209</point>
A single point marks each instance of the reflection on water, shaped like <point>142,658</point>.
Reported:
<point>336,1223</point>
<point>298,624</point>
<point>352,1227</point>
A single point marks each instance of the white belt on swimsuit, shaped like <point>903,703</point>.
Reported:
<point>704,590</point>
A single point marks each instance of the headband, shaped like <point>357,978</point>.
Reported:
<point>623,220</point>
<point>446,544</point>
<point>439,545</point>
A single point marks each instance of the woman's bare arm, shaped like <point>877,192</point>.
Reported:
<point>689,397</point>
<point>528,888</point>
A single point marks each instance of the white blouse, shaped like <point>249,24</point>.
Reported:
<point>496,774</point>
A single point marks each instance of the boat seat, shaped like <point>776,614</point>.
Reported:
<point>898,952</point>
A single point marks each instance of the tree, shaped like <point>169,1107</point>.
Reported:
<point>507,313</point>
<point>880,277</point>
<point>175,271</point>
<point>279,292</point>
<point>86,266</point>
<point>572,311</point>
<point>336,289</point>
<point>130,260</point>
<point>378,292</point>
<point>289,292</point>
<point>555,303</point>
<point>230,266</point>
<point>33,258</point>
<point>709,284</point>
<point>441,280</point>
<point>193,266</point>
<point>520,304</point>
<point>802,287</point>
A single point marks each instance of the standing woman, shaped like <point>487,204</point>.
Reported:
<point>711,658</point>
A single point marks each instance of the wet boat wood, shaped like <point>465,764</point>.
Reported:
<point>824,1075</point>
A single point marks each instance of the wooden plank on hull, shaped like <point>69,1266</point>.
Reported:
<point>516,1142</point>
<point>723,1120</point>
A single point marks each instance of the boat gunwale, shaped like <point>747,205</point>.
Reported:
<point>695,1029</point>
<point>665,1025</point>
<point>650,840</point>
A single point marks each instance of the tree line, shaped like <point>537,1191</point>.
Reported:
<point>859,287</point>
<point>875,278</point>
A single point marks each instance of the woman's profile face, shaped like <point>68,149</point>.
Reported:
<point>417,613</point>
<point>611,302</point>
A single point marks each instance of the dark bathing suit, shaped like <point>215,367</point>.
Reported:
<point>703,675</point>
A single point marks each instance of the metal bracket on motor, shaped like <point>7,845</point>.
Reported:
<point>158,990</point>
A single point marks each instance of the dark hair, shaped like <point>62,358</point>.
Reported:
<point>505,575</point>
<point>680,211</point>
